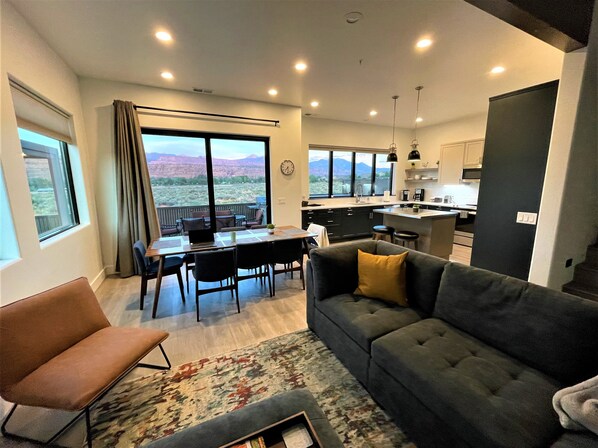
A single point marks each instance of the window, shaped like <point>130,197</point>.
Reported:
<point>50,183</point>
<point>346,173</point>
<point>200,172</point>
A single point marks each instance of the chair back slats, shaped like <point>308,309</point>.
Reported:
<point>213,266</point>
<point>38,328</point>
<point>287,251</point>
<point>201,214</point>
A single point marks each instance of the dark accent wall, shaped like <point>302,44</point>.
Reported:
<point>515,152</point>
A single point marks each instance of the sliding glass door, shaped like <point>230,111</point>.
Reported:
<point>224,179</point>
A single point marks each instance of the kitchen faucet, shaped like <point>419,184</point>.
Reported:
<point>358,193</point>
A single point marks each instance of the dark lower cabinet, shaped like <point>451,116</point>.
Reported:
<point>343,223</point>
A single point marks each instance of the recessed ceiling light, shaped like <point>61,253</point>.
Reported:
<point>373,113</point>
<point>300,66</point>
<point>164,36</point>
<point>496,70</point>
<point>423,43</point>
<point>353,17</point>
<point>272,92</point>
<point>314,104</point>
<point>167,75</point>
<point>419,119</point>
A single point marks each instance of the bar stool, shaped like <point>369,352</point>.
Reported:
<point>405,237</point>
<point>382,233</point>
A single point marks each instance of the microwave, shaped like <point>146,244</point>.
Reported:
<point>471,175</point>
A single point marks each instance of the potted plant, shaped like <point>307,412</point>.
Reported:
<point>270,228</point>
<point>415,208</point>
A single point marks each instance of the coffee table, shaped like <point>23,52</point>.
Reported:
<point>238,424</point>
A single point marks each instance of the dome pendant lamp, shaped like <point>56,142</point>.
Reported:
<point>414,155</point>
<point>392,149</point>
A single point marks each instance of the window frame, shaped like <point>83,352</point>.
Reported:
<point>354,152</point>
<point>208,137</point>
<point>65,181</point>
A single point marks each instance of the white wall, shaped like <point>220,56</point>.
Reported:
<point>556,173</point>
<point>319,131</point>
<point>97,98</point>
<point>74,253</point>
<point>430,139</point>
<point>572,222</point>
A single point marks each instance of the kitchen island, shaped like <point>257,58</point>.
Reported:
<point>435,228</point>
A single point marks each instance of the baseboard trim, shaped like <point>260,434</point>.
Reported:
<point>97,281</point>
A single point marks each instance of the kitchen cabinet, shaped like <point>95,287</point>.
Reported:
<point>474,154</point>
<point>343,223</point>
<point>451,163</point>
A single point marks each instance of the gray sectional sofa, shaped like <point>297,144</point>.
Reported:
<point>473,362</point>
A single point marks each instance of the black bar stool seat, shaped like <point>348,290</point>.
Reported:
<point>405,237</point>
<point>382,233</point>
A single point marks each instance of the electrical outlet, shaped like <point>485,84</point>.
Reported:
<point>569,262</point>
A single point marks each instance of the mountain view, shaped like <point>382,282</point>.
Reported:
<point>169,165</point>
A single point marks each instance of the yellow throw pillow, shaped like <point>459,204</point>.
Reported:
<point>382,277</point>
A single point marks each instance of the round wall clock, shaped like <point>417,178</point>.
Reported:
<point>287,167</point>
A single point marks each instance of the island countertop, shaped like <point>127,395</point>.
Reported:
<point>408,213</point>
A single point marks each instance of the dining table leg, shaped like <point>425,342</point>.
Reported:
<point>306,247</point>
<point>158,285</point>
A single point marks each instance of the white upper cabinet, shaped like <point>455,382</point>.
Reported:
<point>474,154</point>
<point>451,163</point>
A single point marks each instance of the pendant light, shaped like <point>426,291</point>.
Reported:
<point>392,149</point>
<point>414,155</point>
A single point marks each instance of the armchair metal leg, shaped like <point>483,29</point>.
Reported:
<point>52,439</point>
<point>153,366</point>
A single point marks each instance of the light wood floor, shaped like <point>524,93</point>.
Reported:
<point>220,330</point>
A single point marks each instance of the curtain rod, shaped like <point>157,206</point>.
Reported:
<point>274,122</point>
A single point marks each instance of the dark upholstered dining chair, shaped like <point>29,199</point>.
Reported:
<point>191,224</point>
<point>149,270</point>
<point>287,253</point>
<point>254,257</point>
<point>216,266</point>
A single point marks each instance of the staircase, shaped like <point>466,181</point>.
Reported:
<point>585,278</point>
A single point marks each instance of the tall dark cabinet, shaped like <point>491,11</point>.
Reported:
<point>515,152</point>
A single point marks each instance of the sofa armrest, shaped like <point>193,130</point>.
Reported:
<point>334,268</point>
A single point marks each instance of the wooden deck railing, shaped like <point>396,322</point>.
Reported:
<point>168,215</point>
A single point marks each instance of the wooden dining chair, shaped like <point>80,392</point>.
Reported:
<point>287,253</point>
<point>149,270</point>
<point>216,266</point>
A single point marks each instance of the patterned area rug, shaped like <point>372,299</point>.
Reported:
<point>141,410</point>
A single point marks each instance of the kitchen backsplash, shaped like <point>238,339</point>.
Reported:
<point>462,194</point>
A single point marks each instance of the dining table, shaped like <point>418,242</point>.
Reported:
<point>179,245</point>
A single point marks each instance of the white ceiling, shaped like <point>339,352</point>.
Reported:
<point>241,48</point>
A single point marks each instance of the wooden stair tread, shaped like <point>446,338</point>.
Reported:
<point>581,290</point>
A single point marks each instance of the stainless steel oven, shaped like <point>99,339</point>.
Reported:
<point>464,227</point>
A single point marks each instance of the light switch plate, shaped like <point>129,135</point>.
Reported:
<point>527,218</point>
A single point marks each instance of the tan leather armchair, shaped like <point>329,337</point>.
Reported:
<point>58,351</point>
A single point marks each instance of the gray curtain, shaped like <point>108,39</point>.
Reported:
<point>137,216</point>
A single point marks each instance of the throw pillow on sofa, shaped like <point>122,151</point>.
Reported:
<point>382,277</point>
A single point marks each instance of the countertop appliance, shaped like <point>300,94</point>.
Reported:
<point>405,195</point>
<point>419,194</point>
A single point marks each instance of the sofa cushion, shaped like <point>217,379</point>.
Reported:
<point>364,319</point>
<point>501,402</point>
<point>335,268</point>
<point>552,331</point>
<point>382,277</point>
<point>423,275</point>
<point>78,375</point>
